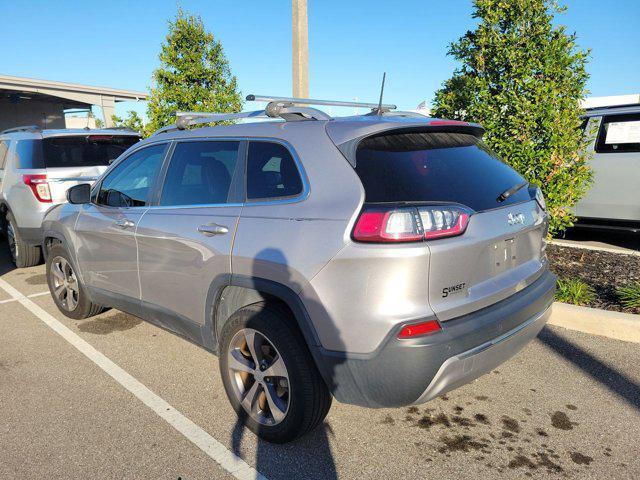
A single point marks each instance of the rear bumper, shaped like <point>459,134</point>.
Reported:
<point>405,372</point>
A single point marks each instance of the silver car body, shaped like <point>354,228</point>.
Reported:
<point>613,199</point>
<point>350,299</point>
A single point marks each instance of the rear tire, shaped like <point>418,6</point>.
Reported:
<point>22,254</point>
<point>66,289</point>
<point>299,396</point>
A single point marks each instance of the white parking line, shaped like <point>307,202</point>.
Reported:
<point>39,294</point>
<point>196,435</point>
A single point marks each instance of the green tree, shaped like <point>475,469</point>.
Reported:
<point>132,121</point>
<point>522,78</point>
<point>194,74</point>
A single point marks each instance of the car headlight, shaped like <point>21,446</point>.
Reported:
<point>540,199</point>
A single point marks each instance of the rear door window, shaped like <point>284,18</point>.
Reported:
<point>200,173</point>
<point>73,151</point>
<point>435,167</point>
<point>619,134</point>
<point>271,172</point>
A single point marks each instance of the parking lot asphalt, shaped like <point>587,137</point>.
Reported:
<point>568,406</point>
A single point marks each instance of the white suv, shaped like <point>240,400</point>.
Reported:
<point>36,169</point>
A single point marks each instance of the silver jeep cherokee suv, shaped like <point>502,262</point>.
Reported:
<point>381,259</point>
<point>37,167</point>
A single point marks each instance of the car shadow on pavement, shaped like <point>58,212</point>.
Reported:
<point>6,265</point>
<point>310,456</point>
<point>618,383</point>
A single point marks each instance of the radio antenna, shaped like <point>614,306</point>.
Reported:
<point>384,75</point>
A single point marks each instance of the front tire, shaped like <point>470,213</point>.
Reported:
<point>67,290</point>
<point>269,375</point>
<point>22,254</point>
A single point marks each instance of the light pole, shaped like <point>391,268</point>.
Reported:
<point>300,50</point>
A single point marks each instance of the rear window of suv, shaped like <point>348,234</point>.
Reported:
<point>72,151</point>
<point>434,167</point>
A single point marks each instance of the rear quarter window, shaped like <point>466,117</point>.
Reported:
<point>419,167</point>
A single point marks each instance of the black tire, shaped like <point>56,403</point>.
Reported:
<point>84,307</point>
<point>309,398</point>
<point>22,254</point>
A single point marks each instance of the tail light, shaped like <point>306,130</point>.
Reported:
<point>420,329</point>
<point>39,186</point>
<point>412,224</point>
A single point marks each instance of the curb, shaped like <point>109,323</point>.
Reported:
<point>616,325</point>
<point>618,250</point>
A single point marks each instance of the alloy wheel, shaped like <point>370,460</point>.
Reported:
<point>65,283</point>
<point>258,376</point>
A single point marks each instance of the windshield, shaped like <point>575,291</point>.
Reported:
<point>73,151</point>
<point>435,167</point>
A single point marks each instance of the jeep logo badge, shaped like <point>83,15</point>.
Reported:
<point>514,219</point>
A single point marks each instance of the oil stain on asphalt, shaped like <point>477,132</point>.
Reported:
<point>37,280</point>
<point>105,325</point>
<point>477,433</point>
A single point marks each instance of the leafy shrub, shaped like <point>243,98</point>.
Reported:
<point>574,291</point>
<point>630,295</point>
<point>522,77</point>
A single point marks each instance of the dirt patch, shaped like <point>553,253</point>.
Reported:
<point>545,461</point>
<point>571,407</point>
<point>428,420</point>
<point>460,443</point>
<point>36,280</point>
<point>388,420</point>
<point>604,271</point>
<point>481,418</point>
<point>580,459</point>
<point>561,421</point>
<point>482,398</point>
<point>521,461</point>
<point>105,325</point>
<point>510,424</point>
<point>412,410</point>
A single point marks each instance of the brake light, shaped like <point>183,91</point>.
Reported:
<point>420,329</point>
<point>39,186</point>
<point>399,225</point>
<point>414,224</point>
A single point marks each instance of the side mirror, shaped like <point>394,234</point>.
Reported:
<point>79,194</point>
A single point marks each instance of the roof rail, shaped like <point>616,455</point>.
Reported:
<point>311,101</point>
<point>287,108</point>
<point>26,128</point>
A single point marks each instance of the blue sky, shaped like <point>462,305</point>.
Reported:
<point>351,43</point>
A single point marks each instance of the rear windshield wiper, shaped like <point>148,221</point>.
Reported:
<point>510,191</point>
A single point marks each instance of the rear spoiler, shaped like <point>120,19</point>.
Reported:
<point>349,147</point>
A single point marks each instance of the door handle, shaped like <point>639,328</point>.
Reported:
<point>211,230</point>
<point>125,223</point>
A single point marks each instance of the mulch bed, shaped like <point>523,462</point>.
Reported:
<point>604,271</point>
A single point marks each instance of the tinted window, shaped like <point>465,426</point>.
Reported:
<point>129,183</point>
<point>619,133</point>
<point>29,154</point>
<point>200,173</point>
<point>4,148</point>
<point>72,151</point>
<point>434,167</point>
<point>271,171</point>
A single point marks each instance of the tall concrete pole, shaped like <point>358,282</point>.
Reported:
<point>300,37</point>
